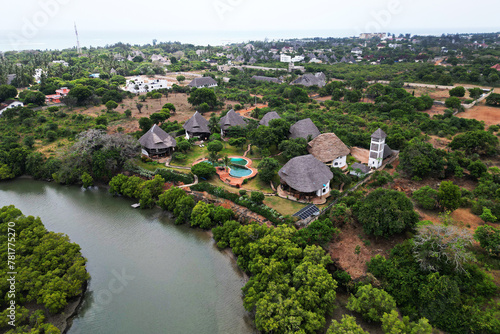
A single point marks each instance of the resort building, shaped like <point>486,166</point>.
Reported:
<point>197,126</point>
<point>305,178</point>
<point>267,79</point>
<point>203,82</point>
<point>10,104</point>
<point>303,129</point>
<point>309,79</point>
<point>269,117</point>
<point>231,119</point>
<point>141,85</point>
<point>359,170</point>
<point>329,149</point>
<point>379,150</point>
<point>157,143</point>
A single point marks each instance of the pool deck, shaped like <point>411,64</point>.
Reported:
<point>225,177</point>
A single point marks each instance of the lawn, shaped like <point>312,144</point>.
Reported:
<point>152,167</point>
<point>283,206</point>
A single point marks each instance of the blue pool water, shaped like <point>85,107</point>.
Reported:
<point>239,161</point>
<point>237,168</point>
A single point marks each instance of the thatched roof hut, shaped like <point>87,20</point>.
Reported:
<point>269,117</point>
<point>327,147</point>
<point>157,142</point>
<point>305,174</point>
<point>303,129</point>
<point>197,125</point>
<point>231,119</point>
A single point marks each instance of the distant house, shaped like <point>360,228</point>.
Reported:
<point>268,79</point>
<point>231,119</point>
<point>269,117</point>
<point>63,91</point>
<point>285,58</point>
<point>113,72</point>
<point>10,104</point>
<point>309,79</point>
<point>379,150</point>
<point>305,177</point>
<point>62,62</point>
<point>303,129</point>
<point>197,126</point>
<point>94,75</point>
<point>357,51</point>
<point>359,170</point>
<point>329,149</point>
<point>203,82</point>
<point>157,143</point>
<point>141,85</point>
<point>496,67</point>
<point>10,78</point>
<point>53,98</point>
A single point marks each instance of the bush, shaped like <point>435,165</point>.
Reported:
<point>458,91</point>
<point>371,303</point>
<point>489,239</point>
<point>392,325</point>
<point>347,325</point>
<point>203,170</point>
<point>257,197</point>
<point>449,196</point>
<point>386,212</point>
<point>426,197</point>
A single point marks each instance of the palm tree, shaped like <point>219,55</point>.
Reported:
<point>226,162</point>
<point>213,157</point>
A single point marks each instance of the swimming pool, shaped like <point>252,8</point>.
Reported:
<point>239,161</point>
<point>239,171</point>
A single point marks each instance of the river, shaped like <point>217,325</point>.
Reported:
<point>148,275</point>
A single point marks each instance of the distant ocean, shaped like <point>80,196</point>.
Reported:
<point>56,40</point>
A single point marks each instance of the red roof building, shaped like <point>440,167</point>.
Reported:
<point>496,67</point>
<point>54,98</point>
<point>63,91</point>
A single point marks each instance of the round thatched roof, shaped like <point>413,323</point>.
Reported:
<point>327,147</point>
<point>305,174</point>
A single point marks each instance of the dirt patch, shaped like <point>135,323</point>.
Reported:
<point>482,112</point>
<point>440,143</point>
<point>348,257</point>
<point>435,110</point>
<point>360,154</point>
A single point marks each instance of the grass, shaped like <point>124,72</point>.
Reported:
<point>200,152</point>
<point>283,206</point>
<point>153,167</point>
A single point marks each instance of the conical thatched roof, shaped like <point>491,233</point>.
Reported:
<point>232,119</point>
<point>196,124</point>
<point>303,129</point>
<point>379,134</point>
<point>156,138</point>
<point>327,147</point>
<point>305,174</point>
<point>269,117</point>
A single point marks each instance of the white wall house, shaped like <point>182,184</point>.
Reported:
<point>9,105</point>
<point>377,149</point>
<point>285,58</point>
<point>142,85</point>
<point>340,162</point>
<point>323,191</point>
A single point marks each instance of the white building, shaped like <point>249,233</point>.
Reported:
<point>62,62</point>
<point>38,74</point>
<point>10,104</point>
<point>379,150</point>
<point>142,85</point>
<point>285,58</point>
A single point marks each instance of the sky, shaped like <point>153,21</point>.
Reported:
<point>49,22</point>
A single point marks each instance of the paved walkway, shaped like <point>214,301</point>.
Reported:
<point>192,184</point>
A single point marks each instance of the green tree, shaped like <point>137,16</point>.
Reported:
<point>203,95</point>
<point>159,117</point>
<point>169,106</point>
<point>449,195</point>
<point>426,197</point>
<point>183,209</point>
<point>257,197</point>
<point>203,170</point>
<point>386,212</point>
<point>347,325</point>
<point>215,146</point>
<point>453,102</point>
<point>180,78</point>
<point>477,169</point>
<point>391,324</point>
<point>475,93</point>
<point>489,239</point>
<point>267,169</point>
<point>421,159</point>
<point>110,105</point>
<point>170,198</point>
<point>479,141</point>
<point>139,107</point>
<point>263,137</point>
<point>34,97</point>
<point>293,148</point>
<point>201,215</point>
<point>7,92</point>
<point>487,216</point>
<point>81,93</point>
<point>145,124</point>
<point>458,91</point>
<point>371,303</point>
<point>493,99</point>
<point>87,180</point>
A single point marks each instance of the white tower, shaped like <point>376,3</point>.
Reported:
<point>377,149</point>
<point>78,49</point>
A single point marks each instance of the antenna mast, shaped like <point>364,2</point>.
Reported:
<point>78,49</point>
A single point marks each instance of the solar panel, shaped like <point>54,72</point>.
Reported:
<point>307,211</point>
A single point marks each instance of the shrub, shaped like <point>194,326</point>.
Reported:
<point>203,170</point>
<point>489,239</point>
<point>347,325</point>
<point>449,196</point>
<point>426,197</point>
<point>371,303</point>
<point>257,197</point>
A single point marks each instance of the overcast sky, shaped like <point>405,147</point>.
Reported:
<point>34,18</point>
